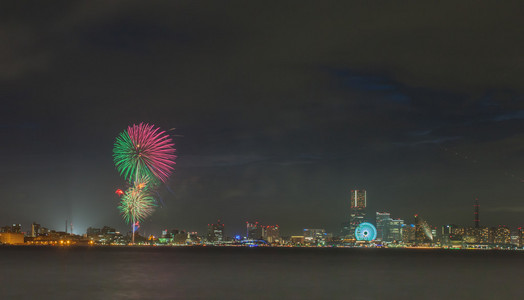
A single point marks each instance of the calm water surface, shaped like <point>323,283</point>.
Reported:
<point>258,273</point>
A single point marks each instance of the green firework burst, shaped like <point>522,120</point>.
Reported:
<point>137,203</point>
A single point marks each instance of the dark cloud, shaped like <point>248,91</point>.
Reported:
<point>280,108</point>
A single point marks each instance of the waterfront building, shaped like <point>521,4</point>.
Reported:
<point>254,231</point>
<point>16,228</point>
<point>35,228</point>
<point>215,232</point>
<point>106,230</point>
<point>105,235</point>
<point>500,235</point>
<point>11,238</point>
<point>388,229</point>
<point>482,235</point>
<point>394,230</point>
<point>408,233</point>
<point>358,205</point>
<point>297,240</point>
<point>314,236</point>
<point>91,232</point>
<point>383,221</point>
<point>270,234</point>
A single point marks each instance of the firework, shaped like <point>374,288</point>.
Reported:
<point>143,150</point>
<point>137,203</point>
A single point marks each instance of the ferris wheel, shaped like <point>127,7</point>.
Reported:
<point>365,232</point>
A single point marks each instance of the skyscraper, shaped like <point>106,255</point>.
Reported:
<point>383,220</point>
<point>254,231</point>
<point>215,232</point>
<point>395,230</point>
<point>270,234</point>
<point>358,210</point>
<point>476,216</point>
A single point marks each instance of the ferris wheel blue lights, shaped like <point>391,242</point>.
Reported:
<point>365,232</point>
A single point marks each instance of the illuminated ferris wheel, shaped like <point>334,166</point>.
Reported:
<point>365,232</point>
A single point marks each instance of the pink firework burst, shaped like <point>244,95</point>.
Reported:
<point>143,150</point>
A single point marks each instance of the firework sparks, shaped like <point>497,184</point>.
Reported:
<point>137,203</point>
<point>143,150</point>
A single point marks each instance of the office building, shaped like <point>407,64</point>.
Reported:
<point>215,232</point>
<point>254,231</point>
<point>271,234</point>
<point>500,235</point>
<point>315,236</point>
<point>382,220</point>
<point>394,230</point>
<point>358,204</point>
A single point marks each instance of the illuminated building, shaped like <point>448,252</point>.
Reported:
<point>106,230</point>
<point>16,228</point>
<point>215,232</point>
<point>11,238</point>
<point>483,235</point>
<point>105,236</point>
<point>358,206</point>
<point>478,235</point>
<point>382,220</point>
<point>458,232</point>
<point>193,237</point>
<point>35,228</point>
<point>388,229</point>
<point>315,236</point>
<point>422,231</point>
<point>93,231</point>
<point>297,239</point>
<point>520,234</point>
<point>345,229</point>
<point>395,230</point>
<point>408,233</point>
<point>254,231</point>
<point>38,230</point>
<point>270,234</point>
<point>501,235</point>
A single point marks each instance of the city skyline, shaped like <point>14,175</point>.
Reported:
<point>275,117</point>
<point>357,197</point>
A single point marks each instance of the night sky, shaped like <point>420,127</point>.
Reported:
<point>279,109</point>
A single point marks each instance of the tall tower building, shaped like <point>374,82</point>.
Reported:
<point>476,213</point>
<point>358,210</point>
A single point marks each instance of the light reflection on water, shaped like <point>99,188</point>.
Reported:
<point>251,273</point>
